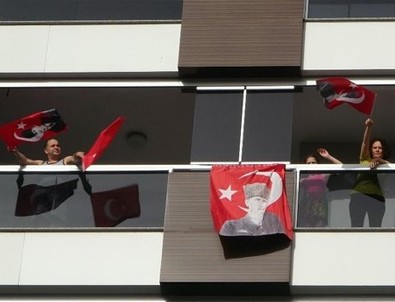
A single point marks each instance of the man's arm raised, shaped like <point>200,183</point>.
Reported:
<point>23,160</point>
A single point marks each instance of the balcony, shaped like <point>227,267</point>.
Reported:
<point>168,245</point>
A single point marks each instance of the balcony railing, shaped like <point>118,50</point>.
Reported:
<point>134,197</point>
<point>56,197</point>
<point>345,196</point>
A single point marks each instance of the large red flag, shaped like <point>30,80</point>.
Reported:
<point>32,128</point>
<point>249,200</point>
<point>337,91</point>
<point>112,207</point>
<point>100,145</point>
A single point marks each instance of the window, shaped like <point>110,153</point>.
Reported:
<point>242,125</point>
<point>268,126</point>
<point>89,10</point>
<point>217,126</point>
<point>334,199</point>
<point>351,9</point>
<point>75,200</point>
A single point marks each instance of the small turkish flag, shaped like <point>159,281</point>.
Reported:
<point>338,91</point>
<point>32,128</point>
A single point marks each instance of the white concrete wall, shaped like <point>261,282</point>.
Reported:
<point>80,259</point>
<point>344,259</point>
<point>349,46</point>
<point>89,48</point>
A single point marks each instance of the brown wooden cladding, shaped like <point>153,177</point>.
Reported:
<point>241,33</point>
<point>192,250</point>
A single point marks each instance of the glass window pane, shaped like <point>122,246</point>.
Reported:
<point>80,10</point>
<point>328,11</point>
<point>63,200</point>
<point>268,126</point>
<point>344,199</point>
<point>369,10</point>
<point>217,124</point>
<point>351,8</point>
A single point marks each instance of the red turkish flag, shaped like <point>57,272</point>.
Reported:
<point>112,207</point>
<point>338,91</point>
<point>32,128</point>
<point>249,200</point>
<point>100,145</point>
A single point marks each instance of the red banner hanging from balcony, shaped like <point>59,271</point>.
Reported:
<point>249,208</point>
<point>249,200</point>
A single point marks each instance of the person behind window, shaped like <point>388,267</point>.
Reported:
<point>53,151</point>
<point>367,197</point>
<point>313,205</point>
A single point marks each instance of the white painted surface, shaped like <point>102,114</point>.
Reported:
<point>10,257</point>
<point>90,48</point>
<point>349,46</point>
<point>125,258</point>
<point>344,259</point>
<point>23,48</point>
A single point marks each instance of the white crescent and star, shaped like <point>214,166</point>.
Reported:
<point>342,96</point>
<point>276,189</point>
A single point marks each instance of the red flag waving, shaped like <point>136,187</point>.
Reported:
<point>112,207</point>
<point>249,200</point>
<point>32,128</point>
<point>337,91</point>
<point>100,145</point>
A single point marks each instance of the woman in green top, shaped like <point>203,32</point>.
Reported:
<point>367,196</point>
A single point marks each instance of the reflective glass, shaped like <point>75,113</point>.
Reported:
<point>217,126</point>
<point>351,9</point>
<point>268,126</point>
<point>85,10</point>
<point>89,200</point>
<point>345,199</point>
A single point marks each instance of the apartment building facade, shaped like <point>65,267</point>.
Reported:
<point>199,82</point>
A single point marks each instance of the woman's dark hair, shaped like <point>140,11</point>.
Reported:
<point>317,158</point>
<point>386,147</point>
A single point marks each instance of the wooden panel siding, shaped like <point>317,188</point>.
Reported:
<point>192,250</point>
<point>241,34</point>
